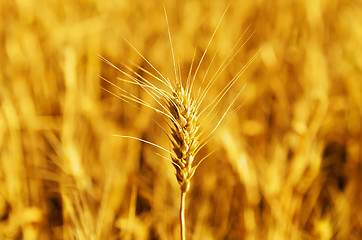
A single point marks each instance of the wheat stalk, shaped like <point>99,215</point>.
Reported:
<point>181,110</point>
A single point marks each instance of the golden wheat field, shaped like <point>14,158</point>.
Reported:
<point>284,155</point>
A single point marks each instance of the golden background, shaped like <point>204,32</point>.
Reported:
<point>288,162</point>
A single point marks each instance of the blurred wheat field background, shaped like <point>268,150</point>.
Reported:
<point>288,162</point>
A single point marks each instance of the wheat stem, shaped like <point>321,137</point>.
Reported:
<point>182,215</point>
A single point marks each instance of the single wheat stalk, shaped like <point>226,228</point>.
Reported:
<point>181,111</point>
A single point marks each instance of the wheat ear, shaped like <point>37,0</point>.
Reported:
<point>183,135</point>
